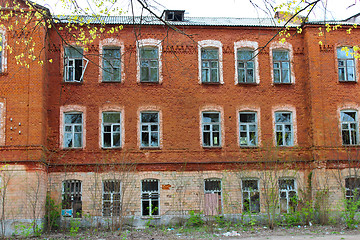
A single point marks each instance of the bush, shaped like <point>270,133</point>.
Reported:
<point>195,219</point>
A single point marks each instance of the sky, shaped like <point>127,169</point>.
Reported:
<point>337,9</point>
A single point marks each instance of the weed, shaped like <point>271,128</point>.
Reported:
<point>195,220</point>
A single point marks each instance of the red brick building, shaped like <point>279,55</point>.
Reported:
<point>149,121</point>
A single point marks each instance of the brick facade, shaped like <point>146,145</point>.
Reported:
<point>35,103</point>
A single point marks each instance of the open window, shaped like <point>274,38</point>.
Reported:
<point>150,197</point>
<point>212,197</point>
<point>71,199</point>
<point>74,64</point>
<point>111,198</point>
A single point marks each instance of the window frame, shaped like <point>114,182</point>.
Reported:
<point>149,124</point>
<point>2,121</point>
<point>72,194</point>
<point>246,61</point>
<point>349,130</point>
<point>3,54</point>
<point>247,129</point>
<point>72,125</point>
<point>209,68</point>
<point>249,192</point>
<point>151,198</point>
<point>149,43</point>
<point>211,131</point>
<point>74,59</point>
<point>105,48</point>
<point>350,53</point>
<point>283,131</point>
<point>111,201</point>
<point>350,192</point>
<point>149,67</point>
<point>287,192</point>
<point>111,131</point>
<point>217,192</point>
<point>210,44</point>
<point>280,68</point>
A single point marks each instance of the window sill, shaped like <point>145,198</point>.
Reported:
<point>73,148</point>
<point>151,217</point>
<point>150,148</point>
<point>211,83</point>
<point>149,83</point>
<point>247,83</point>
<point>347,82</point>
<point>119,81</point>
<point>281,83</point>
<point>241,146</point>
<point>208,147</point>
<point>75,83</point>
<point>111,148</point>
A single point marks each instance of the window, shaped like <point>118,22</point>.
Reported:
<point>212,197</point>
<point>287,195</point>
<point>210,65</point>
<point>1,52</point>
<point>283,129</point>
<point>150,197</point>
<point>251,195</point>
<point>245,66</point>
<point>71,199</point>
<point>349,127</point>
<point>281,65</point>
<point>111,198</point>
<point>211,129</point>
<point>149,126</point>
<point>149,64</point>
<point>73,130</point>
<point>346,64</point>
<point>74,66</point>
<point>248,129</point>
<point>111,129</point>
<point>111,64</point>
<point>352,191</point>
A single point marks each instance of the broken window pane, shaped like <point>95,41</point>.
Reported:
<point>111,198</point>
<point>150,197</point>
<point>248,129</point>
<point>71,199</point>
<point>287,195</point>
<point>149,62</point>
<point>281,66</point>
<point>284,129</point>
<point>251,196</point>
<point>211,129</point>
<point>349,127</point>
<point>346,64</point>
<point>72,130</point>
<point>149,126</point>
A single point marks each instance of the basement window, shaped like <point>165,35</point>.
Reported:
<point>251,195</point>
<point>352,192</point>
<point>111,198</point>
<point>150,197</point>
<point>287,195</point>
<point>71,199</point>
<point>75,64</point>
<point>212,197</point>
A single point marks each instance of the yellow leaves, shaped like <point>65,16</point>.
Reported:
<point>320,43</point>
<point>50,60</point>
<point>298,30</point>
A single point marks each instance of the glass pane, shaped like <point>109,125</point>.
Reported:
<point>241,73</point>
<point>77,140</point>
<point>205,75</point>
<point>154,139</point>
<point>73,118</point>
<point>209,54</point>
<point>216,139</point>
<point>111,117</point>
<point>345,137</point>
<point>350,74</point>
<point>144,128</point>
<point>281,55</point>
<point>247,117</point>
<point>68,129</point>
<point>149,117</point>
<point>276,75</point>
<point>73,52</point>
<point>348,116</point>
<point>154,127</point>
<point>116,139</point>
<point>78,128</point>
<point>216,127</point>
<point>107,139</point>
<point>212,185</point>
<point>285,76</point>
<point>245,54</point>
<point>282,117</point>
<point>144,74</point>
<point>149,53</point>
<point>250,75</point>
<point>206,138</point>
<point>345,54</point>
<point>68,140</point>
<point>116,128</point>
<point>145,139</point>
<point>211,117</point>
<point>153,74</point>
<point>341,74</point>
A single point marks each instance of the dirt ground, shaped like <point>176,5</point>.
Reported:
<point>258,233</point>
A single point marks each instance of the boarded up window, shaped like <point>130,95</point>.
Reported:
<point>212,197</point>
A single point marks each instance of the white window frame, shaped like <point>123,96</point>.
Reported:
<point>112,132</point>
<point>252,46</point>
<point>150,131</point>
<point>149,43</point>
<point>246,68</point>
<point>211,130</point>
<point>347,60</point>
<point>211,44</point>
<point>247,131</point>
<point>349,129</point>
<point>149,62</point>
<point>112,62</point>
<point>250,192</point>
<point>209,68</point>
<point>283,129</point>
<point>73,125</point>
<point>280,69</point>
<point>112,198</point>
<point>72,194</point>
<point>70,63</point>
<point>2,123</point>
<point>3,54</point>
<point>150,196</point>
<point>287,192</point>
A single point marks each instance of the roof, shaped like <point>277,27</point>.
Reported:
<point>189,21</point>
